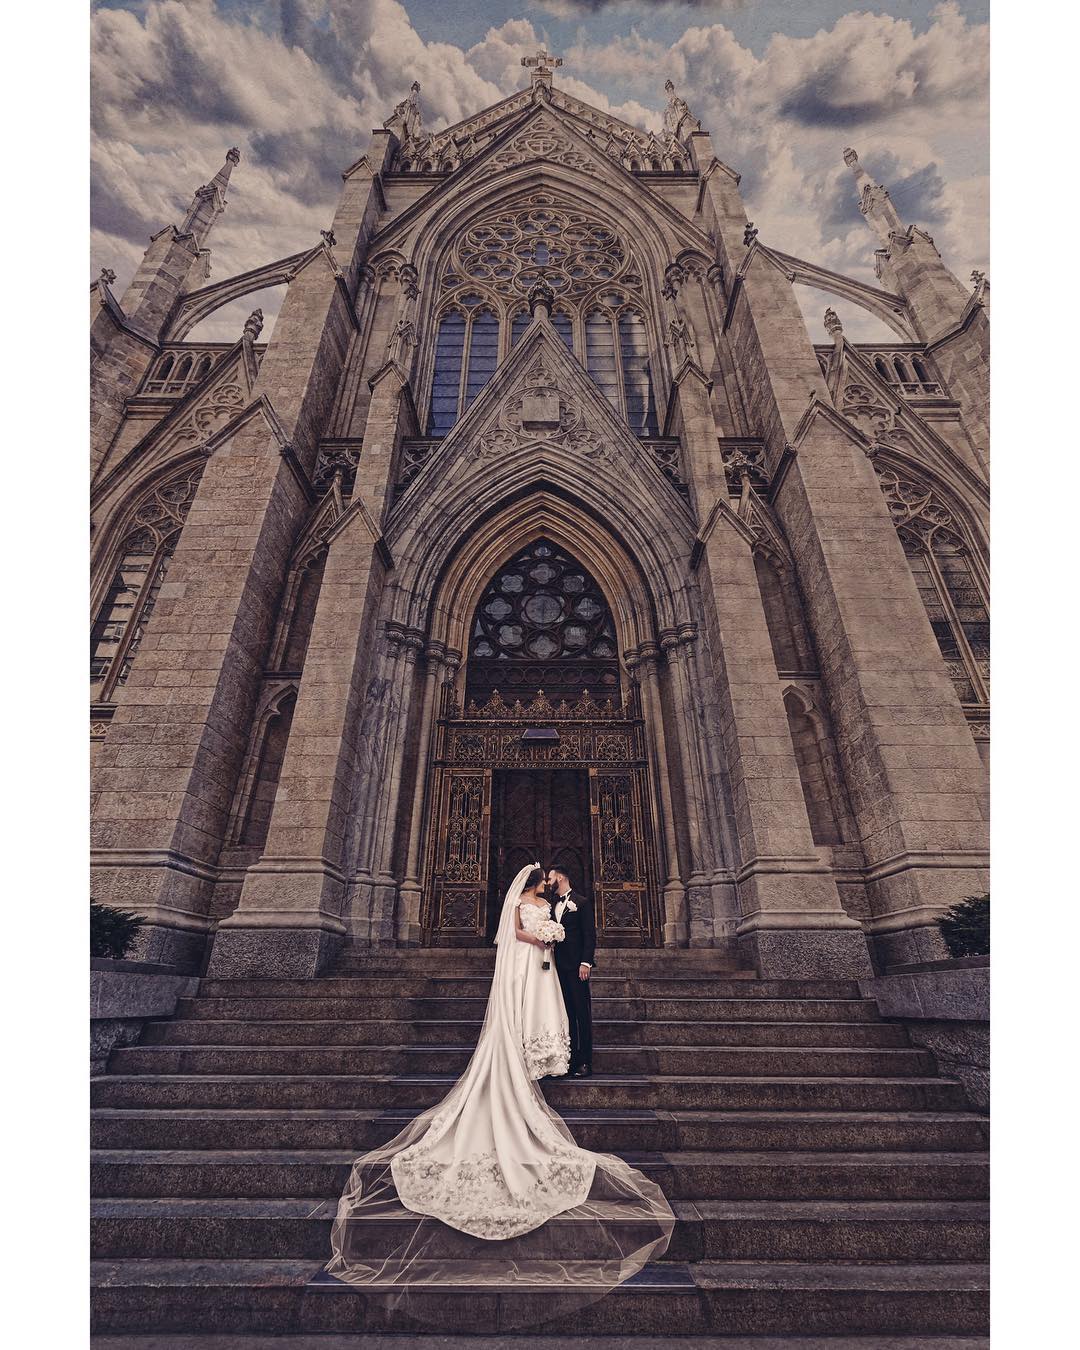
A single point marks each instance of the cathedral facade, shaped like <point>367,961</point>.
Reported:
<point>540,527</point>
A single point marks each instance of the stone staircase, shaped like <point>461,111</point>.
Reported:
<point>827,1182</point>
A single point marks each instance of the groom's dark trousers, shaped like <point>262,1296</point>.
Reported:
<point>579,945</point>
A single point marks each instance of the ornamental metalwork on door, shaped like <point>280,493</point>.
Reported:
<point>605,740</point>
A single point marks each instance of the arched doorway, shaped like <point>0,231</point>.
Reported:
<point>545,759</point>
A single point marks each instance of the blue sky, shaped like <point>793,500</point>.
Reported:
<point>783,85</point>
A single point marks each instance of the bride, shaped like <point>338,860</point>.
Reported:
<point>493,1161</point>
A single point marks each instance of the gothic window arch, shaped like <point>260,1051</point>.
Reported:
<point>542,623</point>
<point>141,561</point>
<point>950,581</point>
<point>466,354</point>
<point>497,260</point>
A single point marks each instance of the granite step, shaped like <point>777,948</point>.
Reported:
<point>651,1092</point>
<point>533,1341</point>
<point>318,1008</point>
<point>607,1033</point>
<point>269,1296</point>
<point>706,1230</point>
<point>662,960</point>
<point>667,1061</point>
<point>734,1176</point>
<point>647,1131</point>
<point>390,983</point>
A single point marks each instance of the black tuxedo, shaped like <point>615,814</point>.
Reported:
<point>578,946</point>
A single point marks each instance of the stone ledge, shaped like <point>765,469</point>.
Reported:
<point>945,1006</point>
<point>935,990</point>
<point>124,995</point>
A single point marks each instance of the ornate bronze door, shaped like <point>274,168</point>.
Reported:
<point>617,811</point>
<point>460,881</point>
<point>567,781</point>
<point>538,814</point>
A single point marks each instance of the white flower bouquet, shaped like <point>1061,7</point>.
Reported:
<point>549,932</point>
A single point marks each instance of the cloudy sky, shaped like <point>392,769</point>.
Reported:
<point>782,85</point>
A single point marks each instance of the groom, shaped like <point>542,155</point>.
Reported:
<point>574,965</point>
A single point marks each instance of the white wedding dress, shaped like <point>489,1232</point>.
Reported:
<point>493,1161</point>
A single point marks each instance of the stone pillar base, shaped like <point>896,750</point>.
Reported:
<point>904,946</point>
<point>181,948</point>
<point>807,953</point>
<point>272,953</point>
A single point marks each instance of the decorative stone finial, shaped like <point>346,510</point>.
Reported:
<point>402,341</point>
<point>253,325</point>
<point>851,159</point>
<point>678,119</point>
<point>833,326</point>
<point>682,340</point>
<point>108,276</point>
<point>977,278</point>
<point>541,297</point>
<point>233,156</point>
<point>749,234</point>
<point>328,238</point>
<point>406,119</point>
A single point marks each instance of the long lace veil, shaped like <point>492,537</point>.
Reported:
<point>488,1189</point>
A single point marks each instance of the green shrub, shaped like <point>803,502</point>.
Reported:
<point>966,926</point>
<point>112,931</point>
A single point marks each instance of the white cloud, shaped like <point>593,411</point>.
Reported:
<point>180,80</point>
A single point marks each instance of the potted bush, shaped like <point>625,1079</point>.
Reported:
<point>965,927</point>
<point>112,931</point>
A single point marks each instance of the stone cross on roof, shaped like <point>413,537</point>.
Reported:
<point>541,70</point>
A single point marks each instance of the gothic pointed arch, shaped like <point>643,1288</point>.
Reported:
<point>257,788</point>
<point>949,573</point>
<point>542,625</point>
<point>133,573</point>
<point>488,270</point>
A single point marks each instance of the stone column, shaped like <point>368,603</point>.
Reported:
<point>916,782</point>
<point>703,810</point>
<point>441,664</point>
<point>384,886</point>
<point>793,924</point>
<point>164,781</point>
<point>643,664</point>
<point>289,918</point>
<point>692,795</point>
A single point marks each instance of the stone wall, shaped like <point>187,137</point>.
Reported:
<point>945,1006</point>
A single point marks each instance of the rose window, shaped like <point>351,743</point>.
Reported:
<point>543,623</point>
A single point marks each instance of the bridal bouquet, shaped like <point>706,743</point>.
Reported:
<point>549,932</point>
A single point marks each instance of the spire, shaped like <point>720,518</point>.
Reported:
<point>209,201</point>
<point>407,119</point>
<point>874,201</point>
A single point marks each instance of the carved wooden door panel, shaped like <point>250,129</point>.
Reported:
<point>616,807</point>
<point>461,846</point>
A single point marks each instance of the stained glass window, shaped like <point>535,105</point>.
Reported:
<point>543,623</point>
<point>483,352</point>
<point>446,387</point>
<point>634,351</point>
<point>600,356</point>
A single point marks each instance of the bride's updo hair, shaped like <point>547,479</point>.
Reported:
<point>534,878</point>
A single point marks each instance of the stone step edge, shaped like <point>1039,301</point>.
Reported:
<point>597,1080</point>
<point>614,1115</point>
<point>275,1275</point>
<point>413,1048</point>
<point>686,1210</point>
<point>636,1157</point>
<point>481,1341</point>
